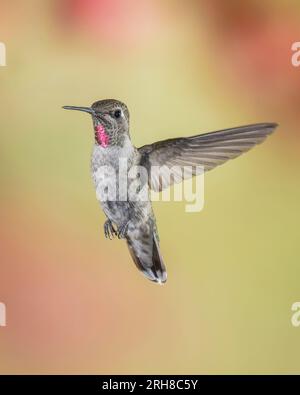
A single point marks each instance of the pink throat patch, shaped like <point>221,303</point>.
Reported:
<point>101,136</point>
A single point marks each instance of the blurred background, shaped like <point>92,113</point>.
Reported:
<point>75,301</point>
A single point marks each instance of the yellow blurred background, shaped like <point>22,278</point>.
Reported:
<point>75,301</point>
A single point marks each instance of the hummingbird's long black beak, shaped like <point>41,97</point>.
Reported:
<point>84,109</point>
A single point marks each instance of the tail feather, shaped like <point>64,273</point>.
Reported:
<point>147,258</point>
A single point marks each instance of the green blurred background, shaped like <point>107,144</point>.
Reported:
<point>75,302</point>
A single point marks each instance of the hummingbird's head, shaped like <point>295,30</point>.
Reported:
<point>110,120</point>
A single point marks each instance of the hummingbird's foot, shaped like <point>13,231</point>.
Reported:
<point>122,230</point>
<point>109,230</point>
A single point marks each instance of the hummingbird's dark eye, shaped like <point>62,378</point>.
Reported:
<point>117,113</point>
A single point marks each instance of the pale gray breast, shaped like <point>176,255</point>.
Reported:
<point>111,157</point>
<point>107,174</point>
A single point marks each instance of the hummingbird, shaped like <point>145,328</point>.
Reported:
<point>134,219</point>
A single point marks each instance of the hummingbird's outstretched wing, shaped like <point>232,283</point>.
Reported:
<point>208,150</point>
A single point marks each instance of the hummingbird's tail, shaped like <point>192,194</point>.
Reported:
<point>144,249</point>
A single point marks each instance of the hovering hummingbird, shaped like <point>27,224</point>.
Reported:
<point>133,219</point>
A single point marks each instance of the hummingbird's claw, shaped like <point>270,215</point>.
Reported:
<point>122,231</point>
<point>109,230</point>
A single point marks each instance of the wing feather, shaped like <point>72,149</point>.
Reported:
<point>208,150</point>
